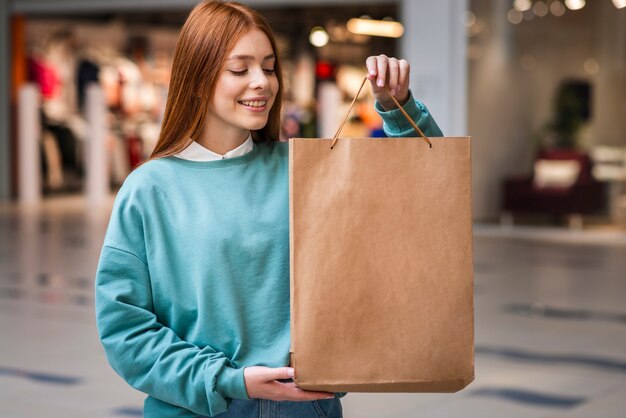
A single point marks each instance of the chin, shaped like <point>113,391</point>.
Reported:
<point>256,126</point>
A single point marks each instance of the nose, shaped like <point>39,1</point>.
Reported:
<point>259,80</point>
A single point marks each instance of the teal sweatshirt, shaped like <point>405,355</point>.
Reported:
<point>192,284</point>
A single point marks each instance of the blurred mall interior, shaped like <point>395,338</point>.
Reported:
<point>539,85</point>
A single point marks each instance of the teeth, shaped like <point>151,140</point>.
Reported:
<point>254,103</point>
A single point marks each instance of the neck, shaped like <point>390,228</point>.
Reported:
<point>226,141</point>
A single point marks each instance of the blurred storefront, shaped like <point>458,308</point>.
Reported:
<point>63,46</point>
<point>539,85</point>
<point>547,109</point>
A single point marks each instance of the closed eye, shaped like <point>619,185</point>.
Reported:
<point>268,71</point>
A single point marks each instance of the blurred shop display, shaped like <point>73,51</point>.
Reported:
<point>610,163</point>
<point>562,184</point>
<point>134,92</point>
<point>553,73</point>
<point>129,56</point>
<point>610,167</point>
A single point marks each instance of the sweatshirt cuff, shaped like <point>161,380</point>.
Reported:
<point>394,119</point>
<point>231,383</point>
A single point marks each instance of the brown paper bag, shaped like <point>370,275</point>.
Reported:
<point>381,264</point>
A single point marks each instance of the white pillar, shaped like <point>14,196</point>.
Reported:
<point>97,158</point>
<point>499,118</point>
<point>329,109</point>
<point>435,44</point>
<point>609,101</point>
<point>29,127</point>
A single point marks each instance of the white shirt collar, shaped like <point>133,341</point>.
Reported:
<point>196,152</point>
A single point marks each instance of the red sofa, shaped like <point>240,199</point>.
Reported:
<point>585,195</point>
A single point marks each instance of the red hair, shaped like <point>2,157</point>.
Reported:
<point>210,32</point>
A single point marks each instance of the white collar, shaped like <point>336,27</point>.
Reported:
<point>196,152</point>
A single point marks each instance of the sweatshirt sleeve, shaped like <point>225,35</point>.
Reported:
<point>145,353</point>
<point>396,125</point>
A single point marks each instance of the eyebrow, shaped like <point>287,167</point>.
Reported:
<point>250,57</point>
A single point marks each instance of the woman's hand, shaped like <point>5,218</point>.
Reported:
<point>390,72</point>
<point>262,383</point>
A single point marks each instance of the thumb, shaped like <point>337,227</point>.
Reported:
<point>282,373</point>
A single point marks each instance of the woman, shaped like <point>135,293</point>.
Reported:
<point>192,287</point>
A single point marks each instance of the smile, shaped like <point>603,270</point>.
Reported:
<point>254,103</point>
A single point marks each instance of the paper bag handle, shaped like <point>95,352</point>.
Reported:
<point>408,118</point>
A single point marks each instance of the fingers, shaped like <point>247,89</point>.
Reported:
<point>262,382</point>
<point>279,373</point>
<point>403,74</point>
<point>377,69</point>
<point>394,67</point>
<point>283,373</point>
<point>381,67</point>
<point>372,68</point>
<point>391,74</point>
<point>290,392</point>
<point>388,71</point>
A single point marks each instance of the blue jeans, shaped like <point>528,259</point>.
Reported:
<point>261,408</point>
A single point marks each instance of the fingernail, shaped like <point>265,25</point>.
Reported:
<point>380,82</point>
<point>372,71</point>
<point>290,372</point>
<point>393,92</point>
<point>330,397</point>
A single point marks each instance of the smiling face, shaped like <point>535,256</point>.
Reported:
<point>246,88</point>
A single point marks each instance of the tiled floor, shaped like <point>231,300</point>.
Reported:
<point>550,325</point>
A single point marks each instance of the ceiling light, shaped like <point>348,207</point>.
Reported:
<point>557,8</point>
<point>389,29</point>
<point>575,4</point>
<point>620,4</point>
<point>522,5</point>
<point>318,36</point>
<point>541,8</point>
<point>514,16</point>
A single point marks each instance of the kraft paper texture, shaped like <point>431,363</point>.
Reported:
<point>381,264</point>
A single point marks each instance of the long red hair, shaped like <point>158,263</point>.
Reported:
<point>210,32</point>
